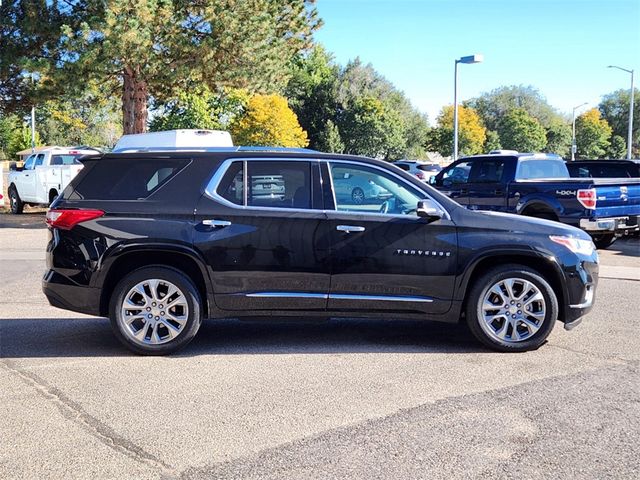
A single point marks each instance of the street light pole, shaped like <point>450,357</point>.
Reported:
<point>477,58</point>
<point>630,128</point>
<point>573,130</point>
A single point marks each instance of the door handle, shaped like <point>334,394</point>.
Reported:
<point>216,223</point>
<point>498,192</point>
<point>350,228</point>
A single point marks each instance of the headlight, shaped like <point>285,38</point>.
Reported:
<point>576,245</point>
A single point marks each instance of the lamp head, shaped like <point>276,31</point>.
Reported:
<point>477,58</point>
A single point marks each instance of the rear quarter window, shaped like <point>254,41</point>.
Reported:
<point>125,179</point>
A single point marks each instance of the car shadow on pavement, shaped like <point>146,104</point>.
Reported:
<point>92,337</point>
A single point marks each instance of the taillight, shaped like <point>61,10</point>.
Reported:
<point>67,219</point>
<point>420,175</point>
<point>587,198</point>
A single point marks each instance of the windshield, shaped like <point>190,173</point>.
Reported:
<point>537,168</point>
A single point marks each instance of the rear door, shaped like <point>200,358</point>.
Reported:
<point>258,227</point>
<point>487,184</point>
<point>383,256</point>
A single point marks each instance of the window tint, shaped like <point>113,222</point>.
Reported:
<point>457,174</point>
<point>231,187</point>
<point>430,167</point>
<point>489,171</point>
<point>531,169</point>
<point>129,179</point>
<point>39,159</point>
<point>279,184</point>
<point>358,188</point>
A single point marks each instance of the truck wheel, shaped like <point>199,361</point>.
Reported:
<point>511,308</point>
<point>603,240</point>
<point>17,205</point>
<point>52,196</point>
<point>155,311</point>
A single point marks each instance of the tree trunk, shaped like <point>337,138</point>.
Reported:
<point>134,102</point>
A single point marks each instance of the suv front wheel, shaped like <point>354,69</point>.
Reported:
<point>155,311</point>
<point>512,308</point>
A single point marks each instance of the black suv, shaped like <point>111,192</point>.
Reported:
<point>160,241</point>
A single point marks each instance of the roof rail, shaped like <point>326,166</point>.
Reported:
<point>215,149</point>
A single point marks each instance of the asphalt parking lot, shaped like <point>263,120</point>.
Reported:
<point>302,399</point>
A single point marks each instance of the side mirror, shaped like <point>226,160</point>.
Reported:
<point>428,209</point>
<point>12,166</point>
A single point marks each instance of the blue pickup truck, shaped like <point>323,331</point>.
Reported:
<point>539,185</point>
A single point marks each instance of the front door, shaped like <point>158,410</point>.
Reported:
<point>257,228</point>
<point>453,180</point>
<point>383,256</point>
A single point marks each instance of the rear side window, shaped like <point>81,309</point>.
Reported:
<point>532,169</point>
<point>277,184</point>
<point>489,171</point>
<point>131,179</point>
<point>65,159</point>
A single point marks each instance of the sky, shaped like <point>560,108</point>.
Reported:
<point>561,47</point>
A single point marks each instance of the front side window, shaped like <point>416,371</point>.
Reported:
<point>359,188</point>
<point>28,165</point>
<point>39,159</point>
<point>457,174</point>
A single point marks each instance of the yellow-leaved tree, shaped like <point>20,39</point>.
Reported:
<point>471,136</point>
<point>268,121</point>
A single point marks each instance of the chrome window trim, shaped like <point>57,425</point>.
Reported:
<point>213,184</point>
<point>338,296</point>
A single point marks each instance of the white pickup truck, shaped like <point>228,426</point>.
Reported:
<point>44,175</point>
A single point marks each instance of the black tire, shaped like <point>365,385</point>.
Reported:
<point>53,195</point>
<point>357,196</point>
<point>186,288</point>
<point>603,240</point>
<point>17,205</point>
<point>481,288</point>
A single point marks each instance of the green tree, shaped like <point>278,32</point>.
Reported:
<point>8,126</point>
<point>492,142</point>
<point>329,139</point>
<point>617,148</point>
<point>592,135</point>
<point>312,94</point>
<point>370,128</point>
<point>559,138</point>
<point>614,108</point>
<point>200,108</point>
<point>151,48</point>
<point>494,105</point>
<point>21,140</point>
<point>520,131</point>
<point>268,121</point>
<point>472,134</point>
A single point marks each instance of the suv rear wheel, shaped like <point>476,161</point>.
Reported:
<point>512,308</point>
<point>155,311</point>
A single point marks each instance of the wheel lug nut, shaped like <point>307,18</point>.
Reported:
<point>161,306</point>
<point>512,302</point>
<point>519,305</point>
<point>148,309</point>
<point>157,318</point>
<point>162,314</point>
<point>513,316</point>
<point>520,312</point>
<point>149,316</point>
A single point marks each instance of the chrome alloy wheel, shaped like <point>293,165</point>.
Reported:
<point>512,310</point>
<point>154,312</point>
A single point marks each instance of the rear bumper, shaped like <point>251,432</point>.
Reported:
<point>63,293</point>
<point>627,223</point>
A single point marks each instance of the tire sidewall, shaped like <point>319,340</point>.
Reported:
<point>178,279</point>
<point>488,280</point>
<point>15,203</point>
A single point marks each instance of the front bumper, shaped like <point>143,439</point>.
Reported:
<point>610,224</point>
<point>581,281</point>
